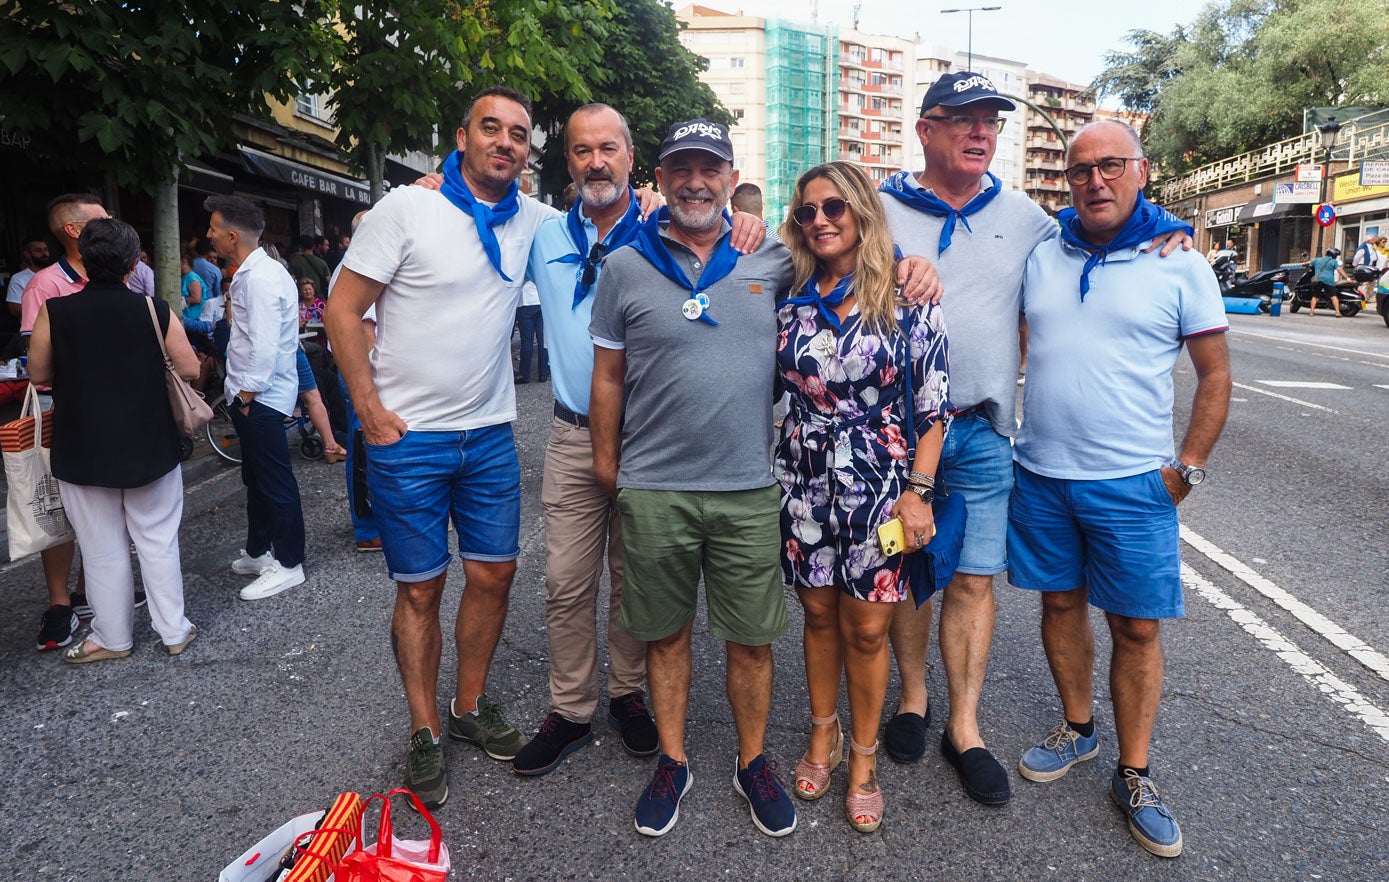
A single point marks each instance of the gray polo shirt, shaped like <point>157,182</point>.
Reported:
<point>982,274</point>
<point>698,398</point>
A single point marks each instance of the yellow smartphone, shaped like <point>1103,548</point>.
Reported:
<point>891,537</point>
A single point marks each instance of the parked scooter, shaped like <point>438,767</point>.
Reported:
<point>1306,286</point>
<point>1234,283</point>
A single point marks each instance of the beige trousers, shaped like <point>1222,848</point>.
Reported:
<point>580,525</point>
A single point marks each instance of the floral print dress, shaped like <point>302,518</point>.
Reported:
<point>842,457</point>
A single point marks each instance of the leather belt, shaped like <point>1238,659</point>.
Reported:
<point>570,417</point>
<point>966,411</point>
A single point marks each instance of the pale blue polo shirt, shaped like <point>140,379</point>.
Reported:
<point>1098,399</point>
<point>566,326</point>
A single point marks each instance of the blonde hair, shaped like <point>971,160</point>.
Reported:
<point>875,266</point>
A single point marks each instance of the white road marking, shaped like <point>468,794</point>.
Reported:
<point>1285,398</point>
<point>1301,384</point>
<point>1295,343</point>
<point>1334,633</point>
<point>1381,386</point>
<point>1333,687</point>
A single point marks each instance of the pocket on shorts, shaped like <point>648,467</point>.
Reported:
<point>395,443</point>
<point>1159,488</point>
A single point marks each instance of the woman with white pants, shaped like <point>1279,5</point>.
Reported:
<point>115,446</point>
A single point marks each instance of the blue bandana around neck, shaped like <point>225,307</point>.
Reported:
<point>621,233</point>
<point>721,261</point>
<point>810,295</point>
<point>901,187</point>
<point>485,217</point>
<point>1147,222</point>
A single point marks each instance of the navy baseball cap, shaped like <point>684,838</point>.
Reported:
<point>965,87</point>
<point>698,134</point>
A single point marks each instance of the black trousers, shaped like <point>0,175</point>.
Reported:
<point>274,516</point>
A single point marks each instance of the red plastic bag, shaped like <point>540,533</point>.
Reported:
<point>396,860</point>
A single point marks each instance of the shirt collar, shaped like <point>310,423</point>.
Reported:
<point>915,182</point>
<point>73,276</point>
<point>251,260</point>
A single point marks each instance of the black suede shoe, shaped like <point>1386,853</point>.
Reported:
<point>980,774</point>
<point>556,740</point>
<point>904,736</point>
<point>627,714</point>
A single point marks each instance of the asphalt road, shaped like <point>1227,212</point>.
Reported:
<point>1272,746</point>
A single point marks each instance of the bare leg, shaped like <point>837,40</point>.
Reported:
<point>318,415</point>
<point>57,567</point>
<point>749,685</point>
<point>1135,683</point>
<point>823,665</point>
<point>481,614</point>
<point>668,673</point>
<point>910,635</point>
<point>864,628</point>
<point>967,612</point>
<point>1070,647</point>
<point>416,640</point>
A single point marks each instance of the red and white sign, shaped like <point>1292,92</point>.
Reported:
<point>1308,171</point>
<point>1326,214</point>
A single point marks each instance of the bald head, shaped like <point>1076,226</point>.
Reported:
<point>1128,132</point>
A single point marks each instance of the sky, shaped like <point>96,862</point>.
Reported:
<point>1064,38</point>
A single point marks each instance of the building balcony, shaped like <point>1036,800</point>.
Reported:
<point>1046,164</point>
<point>1045,185</point>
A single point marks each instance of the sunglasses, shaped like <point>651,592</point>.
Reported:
<point>833,208</point>
<point>592,263</point>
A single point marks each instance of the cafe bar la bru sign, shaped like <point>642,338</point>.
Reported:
<point>277,168</point>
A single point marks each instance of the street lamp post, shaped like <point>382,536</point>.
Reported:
<point>1329,132</point>
<point>969,50</point>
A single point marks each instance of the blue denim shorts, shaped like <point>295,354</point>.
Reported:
<point>418,482</point>
<point>978,462</point>
<point>307,383</point>
<point>1117,537</point>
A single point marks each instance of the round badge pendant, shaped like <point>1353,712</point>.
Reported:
<point>692,309</point>
<point>703,299</point>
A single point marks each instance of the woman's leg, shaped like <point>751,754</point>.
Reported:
<point>318,415</point>
<point>99,522</point>
<point>152,516</point>
<point>823,664</point>
<point>864,626</point>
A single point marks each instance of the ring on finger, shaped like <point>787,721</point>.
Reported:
<point>920,538</point>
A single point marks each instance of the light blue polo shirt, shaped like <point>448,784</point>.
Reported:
<point>1098,399</point>
<point>566,326</point>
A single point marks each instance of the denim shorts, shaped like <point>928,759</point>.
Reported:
<point>978,462</point>
<point>418,482</point>
<point>307,383</point>
<point>1117,537</point>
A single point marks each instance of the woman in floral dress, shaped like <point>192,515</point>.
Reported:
<point>842,460</point>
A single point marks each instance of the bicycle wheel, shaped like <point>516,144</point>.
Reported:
<point>221,434</point>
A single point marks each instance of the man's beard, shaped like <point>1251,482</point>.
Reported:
<point>697,220</point>
<point>600,193</point>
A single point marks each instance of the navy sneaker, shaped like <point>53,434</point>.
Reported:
<point>1053,757</point>
<point>658,807</point>
<point>557,739</point>
<point>771,807</point>
<point>1149,820</point>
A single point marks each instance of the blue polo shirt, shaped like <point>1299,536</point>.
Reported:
<point>1098,399</point>
<point>1325,268</point>
<point>566,325</point>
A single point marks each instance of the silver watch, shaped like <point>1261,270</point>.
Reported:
<point>1192,475</point>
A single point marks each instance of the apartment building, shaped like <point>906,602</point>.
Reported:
<point>876,113</point>
<point>1069,107</point>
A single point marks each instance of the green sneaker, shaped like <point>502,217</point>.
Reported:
<point>424,769</point>
<point>487,729</point>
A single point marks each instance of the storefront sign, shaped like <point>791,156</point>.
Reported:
<point>1374,173</point>
<point>1297,192</point>
<point>1221,217</point>
<point>1308,172</point>
<point>279,169</point>
<point>1348,187</point>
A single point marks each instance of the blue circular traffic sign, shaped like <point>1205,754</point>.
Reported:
<point>1326,214</point>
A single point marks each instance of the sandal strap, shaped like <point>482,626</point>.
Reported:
<point>860,749</point>
<point>824,721</point>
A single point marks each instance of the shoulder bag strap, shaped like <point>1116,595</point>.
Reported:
<point>154,318</point>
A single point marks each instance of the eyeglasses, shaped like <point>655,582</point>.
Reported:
<point>965,123</point>
<point>592,263</point>
<point>833,208</point>
<point>1110,167</point>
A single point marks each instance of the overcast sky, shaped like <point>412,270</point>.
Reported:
<point>1065,38</point>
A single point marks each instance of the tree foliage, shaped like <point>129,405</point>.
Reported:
<point>404,70</point>
<point>126,89</point>
<point>649,76</point>
<point>1241,75</point>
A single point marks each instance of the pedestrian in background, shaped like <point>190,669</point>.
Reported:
<point>532,326</point>
<point>115,446</point>
<point>261,385</point>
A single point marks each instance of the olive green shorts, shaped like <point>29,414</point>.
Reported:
<point>733,538</point>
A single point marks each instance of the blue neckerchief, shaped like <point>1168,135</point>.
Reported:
<point>621,233</point>
<point>455,189</point>
<point>649,245</point>
<point>810,294</point>
<point>898,187</point>
<point>1147,222</point>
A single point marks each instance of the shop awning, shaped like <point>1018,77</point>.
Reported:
<point>1256,212</point>
<point>277,168</point>
<point>194,175</point>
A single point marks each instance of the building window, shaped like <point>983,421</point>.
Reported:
<point>314,106</point>
<point>737,113</point>
<point>737,62</point>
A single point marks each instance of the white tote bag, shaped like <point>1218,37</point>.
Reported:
<point>35,518</point>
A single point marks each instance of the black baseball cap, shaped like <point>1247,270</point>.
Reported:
<point>698,134</point>
<point>965,87</point>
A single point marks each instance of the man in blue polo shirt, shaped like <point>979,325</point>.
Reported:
<point>1093,515</point>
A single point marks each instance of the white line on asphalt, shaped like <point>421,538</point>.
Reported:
<point>1285,398</point>
<point>1381,386</point>
<point>1301,384</point>
<point>1334,633</point>
<point>1333,687</point>
<point>1296,343</point>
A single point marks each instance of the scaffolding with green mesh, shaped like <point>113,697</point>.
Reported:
<point>802,107</point>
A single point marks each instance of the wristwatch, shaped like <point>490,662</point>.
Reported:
<point>242,403</point>
<point>1192,475</point>
<point>926,493</point>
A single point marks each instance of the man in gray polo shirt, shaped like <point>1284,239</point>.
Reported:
<point>680,417</point>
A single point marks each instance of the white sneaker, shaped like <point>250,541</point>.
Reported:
<point>245,565</point>
<point>273,580</point>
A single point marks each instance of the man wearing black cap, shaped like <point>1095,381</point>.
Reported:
<point>680,416</point>
<point>958,215</point>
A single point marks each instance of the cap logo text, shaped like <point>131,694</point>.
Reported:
<point>704,130</point>
<point>973,82</point>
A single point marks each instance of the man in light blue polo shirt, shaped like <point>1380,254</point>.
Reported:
<point>1093,515</point>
